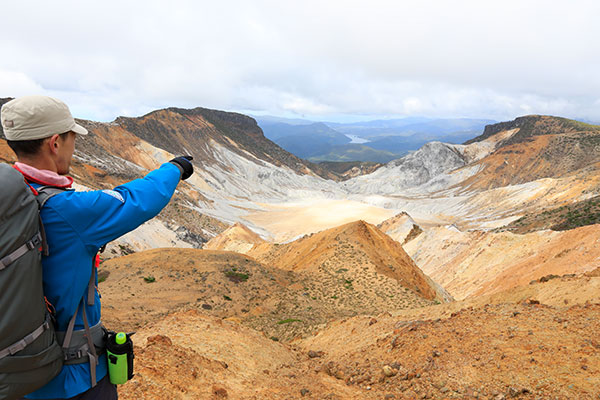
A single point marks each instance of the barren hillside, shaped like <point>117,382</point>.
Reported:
<point>188,355</point>
<point>541,147</point>
<point>533,342</point>
<point>293,291</point>
<point>476,263</point>
<point>357,250</point>
<point>495,352</point>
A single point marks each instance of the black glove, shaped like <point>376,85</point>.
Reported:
<point>184,164</point>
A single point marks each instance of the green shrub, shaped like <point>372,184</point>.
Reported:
<point>236,276</point>
<point>102,275</point>
<point>287,321</point>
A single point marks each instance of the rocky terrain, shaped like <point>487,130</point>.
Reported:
<point>525,350</point>
<point>537,341</point>
<point>269,277</point>
<point>474,263</point>
<point>350,169</point>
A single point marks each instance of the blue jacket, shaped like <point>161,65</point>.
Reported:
<point>77,224</point>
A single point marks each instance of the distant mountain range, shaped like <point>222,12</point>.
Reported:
<point>305,141</point>
<point>413,125</point>
<point>382,140</point>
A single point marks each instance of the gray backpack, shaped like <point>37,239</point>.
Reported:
<point>30,355</point>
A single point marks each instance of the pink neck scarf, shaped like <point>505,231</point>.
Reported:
<point>43,176</point>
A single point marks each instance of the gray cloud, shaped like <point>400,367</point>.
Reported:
<point>495,59</point>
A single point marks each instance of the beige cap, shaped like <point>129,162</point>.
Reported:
<point>37,117</point>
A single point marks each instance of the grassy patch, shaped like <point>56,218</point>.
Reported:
<point>236,277</point>
<point>227,297</point>
<point>102,275</point>
<point>149,279</point>
<point>287,321</point>
<point>126,250</point>
<point>571,216</point>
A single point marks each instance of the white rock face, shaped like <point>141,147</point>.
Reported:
<point>150,235</point>
<point>413,170</point>
<point>398,227</point>
<point>237,185</point>
<point>279,204</point>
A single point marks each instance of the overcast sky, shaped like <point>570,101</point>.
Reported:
<point>315,59</point>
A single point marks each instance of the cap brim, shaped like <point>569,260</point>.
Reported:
<point>80,130</point>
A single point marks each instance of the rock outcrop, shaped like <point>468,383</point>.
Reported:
<point>413,170</point>
<point>238,238</point>
<point>401,227</point>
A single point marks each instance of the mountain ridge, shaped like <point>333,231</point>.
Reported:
<point>232,128</point>
<point>354,244</point>
<point>534,125</point>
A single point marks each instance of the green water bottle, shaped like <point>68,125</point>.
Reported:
<point>119,349</point>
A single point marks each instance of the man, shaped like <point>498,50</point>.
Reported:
<point>42,133</point>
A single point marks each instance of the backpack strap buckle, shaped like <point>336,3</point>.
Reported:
<point>17,347</point>
<point>35,242</point>
<point>74,355</point>
<point>31,244</point>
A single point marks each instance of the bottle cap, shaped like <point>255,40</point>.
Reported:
<point>120,338</point>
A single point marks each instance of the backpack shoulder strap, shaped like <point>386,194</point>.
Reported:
<point>46,192</point>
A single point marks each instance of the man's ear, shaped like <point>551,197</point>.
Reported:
<point>53,143</point>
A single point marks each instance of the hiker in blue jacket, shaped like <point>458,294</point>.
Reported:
<point>42,132</point>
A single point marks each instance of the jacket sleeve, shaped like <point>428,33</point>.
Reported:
<point>101,216</point>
